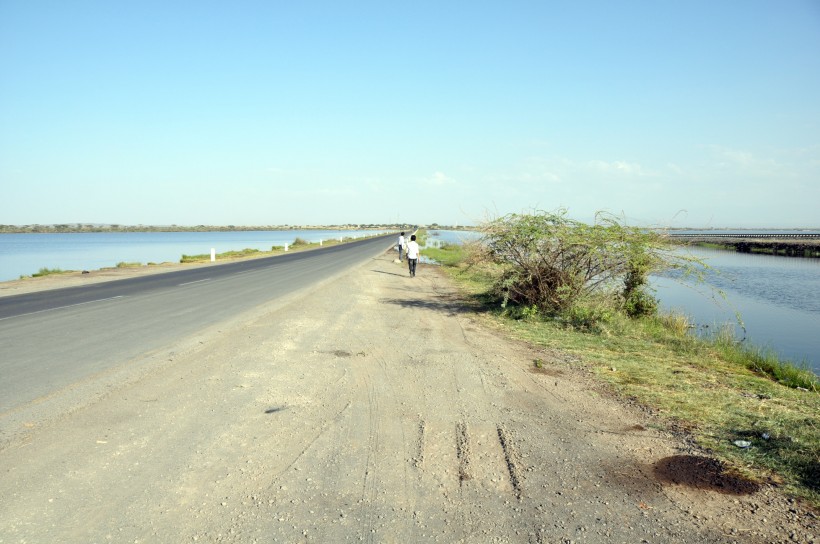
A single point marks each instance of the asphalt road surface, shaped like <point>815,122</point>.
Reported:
<point>51,339</point>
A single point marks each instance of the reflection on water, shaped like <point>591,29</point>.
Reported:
<point>436,238</point>
<point>777,298</point>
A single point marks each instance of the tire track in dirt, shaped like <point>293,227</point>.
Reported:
<point>509,458</point>
<point>463,452</point>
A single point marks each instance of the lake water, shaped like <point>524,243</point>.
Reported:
<point>437,237</point>
<point>777,299</point>
<point>25,254</point>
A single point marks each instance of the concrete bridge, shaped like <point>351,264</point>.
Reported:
<point>768,236</point>
<point>797,244</point>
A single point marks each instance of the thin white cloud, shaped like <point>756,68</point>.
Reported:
<point>674,168</point>
<point>536,171</point>
<point>439,179</point>
<point>619,167</point>
<point>746,162</point>
<point>540,177</point>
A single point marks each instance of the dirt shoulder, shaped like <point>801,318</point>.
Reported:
<point>376,408</point>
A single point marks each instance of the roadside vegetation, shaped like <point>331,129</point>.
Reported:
<point>48,271</point>
<point>247,252</point>
<point>298,244</point>
<point>582,290</point>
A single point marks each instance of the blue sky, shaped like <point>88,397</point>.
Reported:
<point>696,113</point>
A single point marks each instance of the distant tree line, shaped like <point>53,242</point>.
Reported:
<point>96,227</point>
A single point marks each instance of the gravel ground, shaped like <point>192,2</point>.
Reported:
<point>376,408</point>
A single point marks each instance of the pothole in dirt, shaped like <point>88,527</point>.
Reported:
<point>702,473</point>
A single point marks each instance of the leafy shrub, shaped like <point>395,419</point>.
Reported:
<point>553,263</point>
<point>47,271</point>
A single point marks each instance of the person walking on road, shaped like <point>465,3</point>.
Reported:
<point>402,245</point>
<point>412,255</point>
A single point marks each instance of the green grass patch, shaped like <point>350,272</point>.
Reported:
<point>421,237</point>
<point>715,245</point>
<point>247,252</point>
<point>297,245</point>
<point>717,390</point>
<point>48,272</point>
<point>446,255</point>
<point>123,264</point>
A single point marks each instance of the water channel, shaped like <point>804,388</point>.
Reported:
<point>776,298</point>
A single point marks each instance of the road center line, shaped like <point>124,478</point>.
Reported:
<point>62,307</point>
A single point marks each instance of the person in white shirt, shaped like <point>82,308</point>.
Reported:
<point>412,255</point>
<point>402,245</point>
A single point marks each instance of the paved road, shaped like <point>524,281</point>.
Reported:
<point>51,339</point>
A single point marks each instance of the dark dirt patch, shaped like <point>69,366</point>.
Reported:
<point>547,371</point>
<point>702,473</point>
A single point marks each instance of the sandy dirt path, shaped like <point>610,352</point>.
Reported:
<point>374,409</point>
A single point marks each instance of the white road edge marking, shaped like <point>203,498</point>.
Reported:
<point>190,282</point>
<point>62,307</point>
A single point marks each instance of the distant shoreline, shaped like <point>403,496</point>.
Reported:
<point>69,228</point>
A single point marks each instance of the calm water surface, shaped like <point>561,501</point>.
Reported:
<point>777,299</point>
<point>25,254</point>
<point>438,237</point>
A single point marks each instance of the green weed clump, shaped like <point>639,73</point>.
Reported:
<point>226,255</point>
<point>48,271</point>
<point>240,253</point>
<point>123,264</point>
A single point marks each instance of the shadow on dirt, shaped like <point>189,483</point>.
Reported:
<point>446,305</point>
<point>405,275</point>
<point>546,371</point>
<point>702,473</point>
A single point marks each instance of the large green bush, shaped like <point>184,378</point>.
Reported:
<point>554,263</point>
